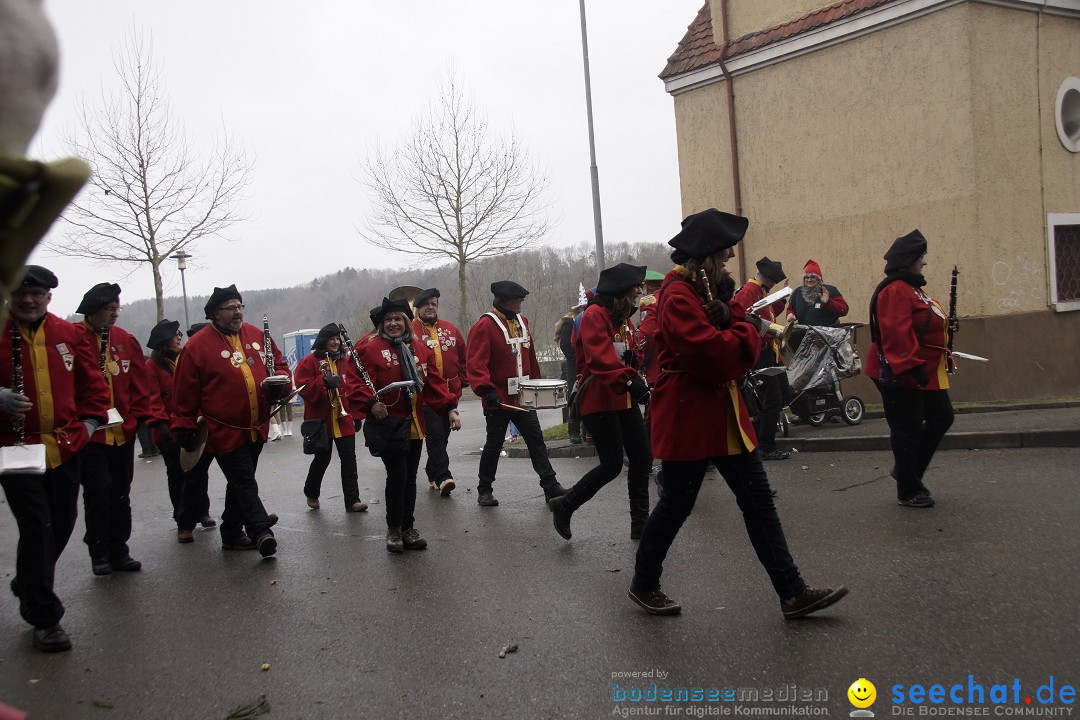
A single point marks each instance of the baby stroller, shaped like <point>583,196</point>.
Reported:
<point>824,356</point>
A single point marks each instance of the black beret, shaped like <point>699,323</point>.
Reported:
<point>426,295</point>
<point>98,297</point>
<point>708,232</point>
<point>905,251</point>
<point>196,327</point>
<point>772,269</point>
<point>219,297</point>
<point>327,332</point>
<point>39,277</point>
<point>618,279</point>
<point>164,331</point>
<point>508,289</point>
<point>389,306</point>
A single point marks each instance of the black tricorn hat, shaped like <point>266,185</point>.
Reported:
<point>426,295</point>
<point>772,269</point>
<point>709,231</point>
<point>508,289</point>
<point>163,332</point>
<point>98,297</point>
<point>617,279</point>
<point>328,331</point>
<point>196,327</point>
<point>389,306</point>
<point>219,297</point>
<point>39,277</point>
<point>905,251</point>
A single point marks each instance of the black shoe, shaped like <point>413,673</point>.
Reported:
<point>126,564</point>
<point>272,518</point>
<point>15,589</point>
<point>560,515</point>
<point>811,600</point>
<point>241,543</point>
<point>411,540</point>
<point>554,491</point>
<point>920,500</point>
<point>575,440</point>
<point>100,566</point>
<point>208,522</point>
<point>266,544</point>
<point>654,602</point>
<point>775,455</point>
<point>394,543</point>
<point>486,499</point>
<point>50,640</point>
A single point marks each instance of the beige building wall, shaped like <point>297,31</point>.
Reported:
<point>748,16</point>
<point>1059,58</point>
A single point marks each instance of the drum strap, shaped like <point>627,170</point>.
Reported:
<point>514,343</point>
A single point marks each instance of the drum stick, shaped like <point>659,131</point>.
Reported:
<point>513,407</point>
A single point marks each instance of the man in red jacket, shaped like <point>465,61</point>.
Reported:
<point>108,462</point>
<point>221,375</point>
<point>62,401</point>
<point>500,354</point>
<point>448,346</point>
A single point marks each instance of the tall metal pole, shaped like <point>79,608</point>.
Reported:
<point>593,171</point>
<point>181,263</point>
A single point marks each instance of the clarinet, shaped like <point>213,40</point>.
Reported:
<point>356,358</point>
<point>950,364</point>
<point>18,422</point>
<point>103,355</point>
<point>268,352</point>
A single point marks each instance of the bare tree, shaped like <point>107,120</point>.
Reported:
<point>453,190</point>
<point>150,196</point>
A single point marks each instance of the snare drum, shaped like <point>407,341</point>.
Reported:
<point>541,394</point>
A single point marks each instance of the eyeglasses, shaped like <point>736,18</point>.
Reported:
<point>36,293</point>
<point>231,308</point>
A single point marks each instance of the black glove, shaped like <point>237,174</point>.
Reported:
<point>629,357</point>
<point>725,289</point>
<point>639,390</point>
<point>491,399</point>
<point>719,313</point>
<point>356,424</point>
<point>187,439</point>
<point>332,382</point>
<point>920,377</point>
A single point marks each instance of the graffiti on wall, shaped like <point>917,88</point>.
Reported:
<point>1018,282</point>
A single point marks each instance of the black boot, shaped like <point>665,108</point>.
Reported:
<point>560,515</point>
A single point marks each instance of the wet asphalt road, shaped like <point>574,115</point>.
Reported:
<point>987,584</point>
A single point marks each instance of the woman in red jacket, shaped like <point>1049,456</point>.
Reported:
<point>610,391</point>
<point>390,355</point>
<point>909,334</point>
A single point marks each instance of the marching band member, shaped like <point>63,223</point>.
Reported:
<point>910,330</point>
<point>448,345</point>
<point>391,355</point>
<point>501,353</point>
<point>220,376</point>
<point>698,416</point>
<point>165,343</point>
<point>328,380</point>
<point>609,391</point>
<point>62,401</point>
<point>108,462</point>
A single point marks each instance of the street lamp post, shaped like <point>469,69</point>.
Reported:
<point>598,226</point>
<point>181,263</point>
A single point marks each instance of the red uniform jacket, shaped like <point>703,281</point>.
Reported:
<point>753,292</point>
<point>62,380</point>
<point>309,374</point>
<point>380,358</point>
<point>650,363</point>
<point>696,409</point>
<point>161,383</point>
<point>448,346</point>
<point>492,361</point>
<point>228,395</point>
<point>129,381</point>
<point>904,312</point>
<point>596,356</point>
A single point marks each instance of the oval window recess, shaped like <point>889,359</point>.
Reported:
<point>1067,114</point>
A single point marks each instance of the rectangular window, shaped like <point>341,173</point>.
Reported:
<point>1063,236</point>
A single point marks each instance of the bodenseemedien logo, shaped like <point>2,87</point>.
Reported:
<point>862,695</point>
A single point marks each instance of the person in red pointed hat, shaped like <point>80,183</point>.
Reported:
<point>816,303</point>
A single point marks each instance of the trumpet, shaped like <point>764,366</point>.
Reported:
<point>332,392</point>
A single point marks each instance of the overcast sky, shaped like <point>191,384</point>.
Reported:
<point>309,89</point>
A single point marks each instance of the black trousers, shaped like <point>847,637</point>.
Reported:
<point>106,479</point>
<point>174,476</point>
<point>746,477</point>
<point>194,493</point>
<point>918,420</point>
<point>350,489</point>
<point>244,510</point>
<point>45,509</point>
<point>437,437</point>
<point>612,432</point>
<point>529,425</point>
<point>401,485</point>
<point>771,392</point>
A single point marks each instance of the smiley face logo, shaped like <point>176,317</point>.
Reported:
<point>862,693</point>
